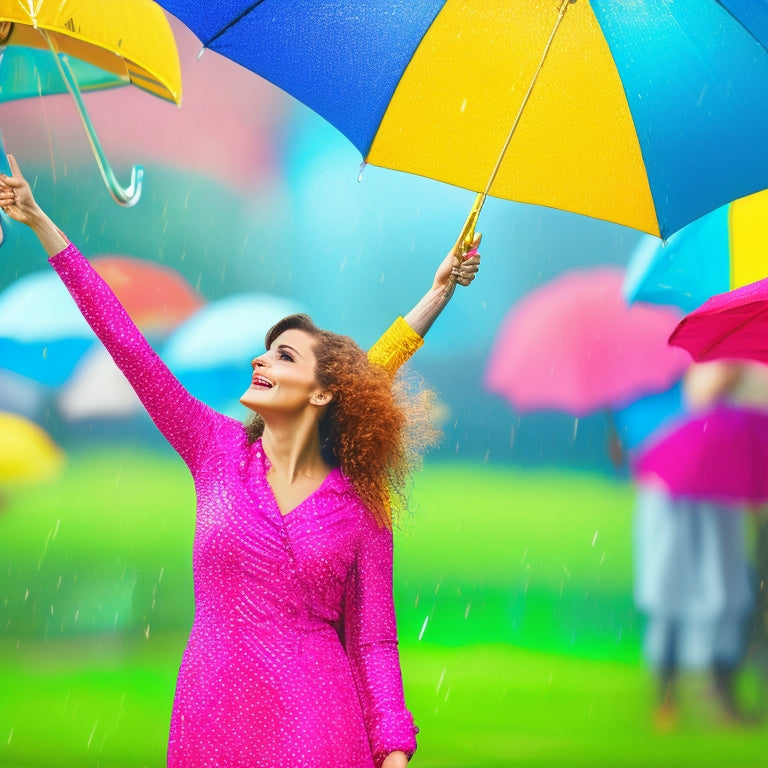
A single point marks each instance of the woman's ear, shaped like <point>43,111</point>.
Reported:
<point>322,397</point>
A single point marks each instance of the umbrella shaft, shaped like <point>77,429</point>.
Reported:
<point>560,15</point>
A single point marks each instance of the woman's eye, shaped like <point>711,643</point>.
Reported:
<point>286,356</point>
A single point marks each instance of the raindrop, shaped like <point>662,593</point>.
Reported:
<point>463,105</point>
<point>423,627</point>
<point>90,738</point>
<point>360,173</point>
<point>440,681</point>
<point>594,539</point>
<point>200,53</point>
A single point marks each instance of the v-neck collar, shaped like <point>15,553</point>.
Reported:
<point>330,481</point>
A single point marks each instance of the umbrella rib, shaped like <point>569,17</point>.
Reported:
<point>232,23</point>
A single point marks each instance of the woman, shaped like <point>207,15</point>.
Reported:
<point>691,567</point>
<point>292,658</point>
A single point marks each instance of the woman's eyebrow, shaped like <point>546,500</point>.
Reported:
<point>288,347</point>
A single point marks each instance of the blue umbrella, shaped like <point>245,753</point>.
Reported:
<point>636,422</point>
<point>212,350</point>
<point>642,112</point>
<point>719,252</point>
<point>42,333</point>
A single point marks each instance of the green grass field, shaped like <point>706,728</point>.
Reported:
<point>520,645</point>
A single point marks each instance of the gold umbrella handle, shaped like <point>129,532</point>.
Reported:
<point>467,236</point>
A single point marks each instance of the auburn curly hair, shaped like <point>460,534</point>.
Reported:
<point>375,429</point>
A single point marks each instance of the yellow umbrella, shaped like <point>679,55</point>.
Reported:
<point>50,46</point>
<point>27,453</point>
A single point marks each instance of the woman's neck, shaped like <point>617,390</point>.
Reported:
<point>294,450</point>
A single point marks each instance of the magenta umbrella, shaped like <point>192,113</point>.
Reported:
<point>729,325</point>
<point>574,345</point>
<point>721,455</point>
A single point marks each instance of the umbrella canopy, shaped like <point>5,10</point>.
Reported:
<point>46,346</point>
<point>27,453</point>
<point>97,389</point>
<point>720,455</point>
<point>123,42</point>
<point>643,112</point>
<point>574,345</point>
<point>723,250</point>
<point>729,325</point>
<point>640,420</point>
<point>211,352</point>
<point>157,297</point>
<point>43,346</point>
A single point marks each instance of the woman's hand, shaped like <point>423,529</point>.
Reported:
<point>16,198</point>
<point>462,269</point>
<point>18,202</point>
<point>395,760</point>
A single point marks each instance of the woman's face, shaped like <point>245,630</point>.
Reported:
<point>283,378</point>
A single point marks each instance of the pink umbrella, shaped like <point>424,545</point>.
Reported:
<point>729,325</point>
<point>721,455</point>
<point>574,345</point>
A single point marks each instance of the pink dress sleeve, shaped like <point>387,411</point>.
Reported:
<point>370,639</point>
<point>184,421</point>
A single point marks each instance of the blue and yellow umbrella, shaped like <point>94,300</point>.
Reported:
<point>726,249</point>
<point>644,112</point>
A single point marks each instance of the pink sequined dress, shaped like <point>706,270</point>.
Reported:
<point>265,679</point>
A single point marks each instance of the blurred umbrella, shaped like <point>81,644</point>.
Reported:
<point>42,333</point>
<point>639,421</point>
<point>97,389</point>
<point>211,352</point>
<point>644,113</point>
<point>158,298</point>
<point>720,455</point>
<point>730,325</point>
<point>723,250</point>
<point>46,345</point>
<point>123,42</point>
<point>21,395</point>
<point>27,453</point>
<point>574,345</point>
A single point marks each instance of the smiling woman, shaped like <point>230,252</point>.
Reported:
<point>292,658</point>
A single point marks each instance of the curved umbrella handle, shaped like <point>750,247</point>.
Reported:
<point>126,196</point>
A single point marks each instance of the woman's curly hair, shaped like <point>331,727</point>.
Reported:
<point>375,429</point>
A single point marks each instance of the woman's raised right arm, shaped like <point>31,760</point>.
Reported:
<point>184,421</point>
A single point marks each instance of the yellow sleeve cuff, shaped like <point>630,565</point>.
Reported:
<point>395,347</point>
